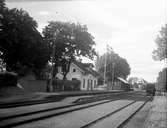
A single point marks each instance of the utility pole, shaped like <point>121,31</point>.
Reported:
<point>113,70</point>
<point>110,50</point>
<point>105,63</point>
<point>53,59</point>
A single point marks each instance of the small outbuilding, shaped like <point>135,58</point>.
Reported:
<point>121,84</point>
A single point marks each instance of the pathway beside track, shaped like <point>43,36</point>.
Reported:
<point>157,117</point>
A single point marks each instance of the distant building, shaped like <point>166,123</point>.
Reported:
<point>83,72</point>
<point>121,84</point>
<point>162,80</point>
<point>137,83</point>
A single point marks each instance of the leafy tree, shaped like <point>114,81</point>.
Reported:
<point>21,44</point>
<point>114,63</point>
<point>2,4</point>
<point>135,82</point>
<point>161,52</point>
<point>71,41</point>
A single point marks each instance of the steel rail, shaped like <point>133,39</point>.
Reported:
<point>110,114</point>
<point>52,99</point>
<point>3,123</point>
<point>80,101</point>
<point>24,121</point>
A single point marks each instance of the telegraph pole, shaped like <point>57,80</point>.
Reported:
<point>109,49</point>
<point>53,59</point>
<point>105,63</point>
<point>113,70</point>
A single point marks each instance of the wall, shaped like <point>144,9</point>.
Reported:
<point>88,86</point>
<point>77,74</point>
<point>33,85</point>
<point>117,85</point>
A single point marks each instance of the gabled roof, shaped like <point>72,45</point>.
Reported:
<point>93,72</point>
<point>122,80</point>
<point>86,68</point>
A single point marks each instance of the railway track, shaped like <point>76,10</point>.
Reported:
<point>120,122</point>
<point>15,120</point>
<point>24,118</point>
<point>79,101</point>
<point>54,98</point>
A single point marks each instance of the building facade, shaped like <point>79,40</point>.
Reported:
<point>121,84</point>
<point>161,83</point>
<point>83,72</point>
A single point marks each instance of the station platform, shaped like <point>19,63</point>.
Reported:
<point>157,116</point>
<point>58,96</point>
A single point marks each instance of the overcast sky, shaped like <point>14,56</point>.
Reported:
<point>128,26</point>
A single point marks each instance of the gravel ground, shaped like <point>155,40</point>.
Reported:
<point>152,115</point>
<point>157,117</point>
<point>139,119</point>
<point>79,118</point>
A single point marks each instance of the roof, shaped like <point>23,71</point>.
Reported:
<point>88,64</point>
<point>122,80</point>
<point>86,68</point>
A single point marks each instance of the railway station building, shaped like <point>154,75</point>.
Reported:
<point>83,72</point>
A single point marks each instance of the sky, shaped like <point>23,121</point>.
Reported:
<point>130,27</point>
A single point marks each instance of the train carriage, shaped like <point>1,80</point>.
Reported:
<point>150,89</point>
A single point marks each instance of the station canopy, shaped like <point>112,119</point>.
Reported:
<point>122,80</point>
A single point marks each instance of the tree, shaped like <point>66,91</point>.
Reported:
<point>2,4</point>
<point>21,44</point>
<point>135,82</point>
<point>71,41</point>
<point>161,52</point>
<point>2,8</point>
<point>114,63</point>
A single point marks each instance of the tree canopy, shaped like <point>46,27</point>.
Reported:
<point>70,41</point>
<point>2,4</point>
<point>161,52</point>
<point>121,67</point>
<point>136,82</point>
<point>21,44</point>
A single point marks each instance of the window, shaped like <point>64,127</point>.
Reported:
<point>83,83</point>
<point>74,70</point>
<point>74,78</point>
<point>94,83</point>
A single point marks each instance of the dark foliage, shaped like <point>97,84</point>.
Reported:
<point>8,79</point>
<point>161,52</point>
<point>21,45</point>
<point>70,41</point>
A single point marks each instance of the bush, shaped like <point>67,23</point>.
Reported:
<point>66,85</point>
<point>8,79</point>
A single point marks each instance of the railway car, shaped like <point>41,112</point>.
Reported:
<point>150,89</point>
